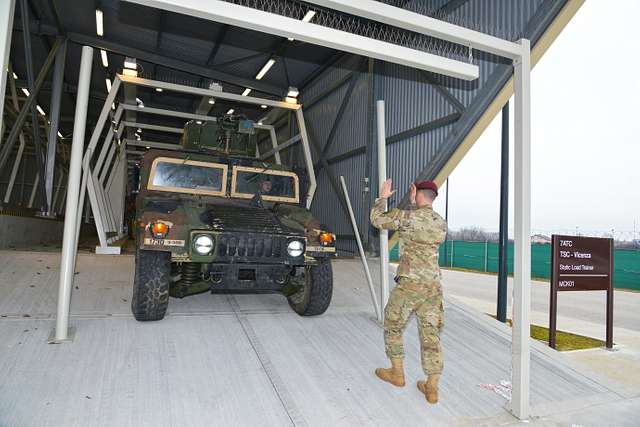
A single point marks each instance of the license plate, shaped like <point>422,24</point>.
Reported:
<point>163,242</point>
<point>320,249</point>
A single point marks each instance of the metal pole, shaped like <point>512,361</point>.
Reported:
<point>501,312</point>
<point>69,245</point>
<point>446,219</point>
<point>363,258</point>
<point>28,56</point>
<point>7,9</point>
<point>520,351</point>
<point>452,254</point>
<point>274,143</point>
<point>29,103</point>
<point>609,329</point>
<point>54,116</point>
<point>16,163</point>
<point>382,177</point>
<point>34,190</point>
<point>486,255</point>
<point>306,149</point>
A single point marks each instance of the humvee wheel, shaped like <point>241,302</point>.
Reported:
<point>151,285</point>
<point>314,297</point>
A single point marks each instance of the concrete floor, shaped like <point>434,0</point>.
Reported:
<point>248,360</point>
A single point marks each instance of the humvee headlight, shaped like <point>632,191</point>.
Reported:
<point>203,244</point>
<point>295,248</point>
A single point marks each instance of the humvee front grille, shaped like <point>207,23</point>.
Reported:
<point>252,246</point>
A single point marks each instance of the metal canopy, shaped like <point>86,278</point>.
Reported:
<point>257,20</point>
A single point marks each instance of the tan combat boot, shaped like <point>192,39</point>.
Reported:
<point>430,388</point>
<point>393,375</point>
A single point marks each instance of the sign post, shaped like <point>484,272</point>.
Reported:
<point>581,264</point>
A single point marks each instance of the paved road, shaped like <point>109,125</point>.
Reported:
<point>578,312</point>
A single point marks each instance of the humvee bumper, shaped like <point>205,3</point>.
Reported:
<point>247,277</point>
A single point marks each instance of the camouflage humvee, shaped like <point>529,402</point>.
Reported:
<point>214,218</point>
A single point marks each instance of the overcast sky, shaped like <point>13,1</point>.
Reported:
<point>585,134</point>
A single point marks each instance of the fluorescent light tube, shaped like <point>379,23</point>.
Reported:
<point>265,68</point>
<point>40,110</point>
<point>309,16</point>
<point>25,91</point>
<point>246,92</point>
<point>99,23</point>
<point>108,82</point>
<point>103,56</point>
<point>231,110</point>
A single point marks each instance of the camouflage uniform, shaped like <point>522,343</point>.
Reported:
<point>418,290</point>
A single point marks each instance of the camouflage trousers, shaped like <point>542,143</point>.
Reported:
<point>425,300</point>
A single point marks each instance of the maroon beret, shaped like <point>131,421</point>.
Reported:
<point>427,185</point>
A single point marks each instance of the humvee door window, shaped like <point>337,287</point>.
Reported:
<point>272,185</point>
<point>188,176</point>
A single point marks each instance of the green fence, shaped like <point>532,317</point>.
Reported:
<point>481,256</point>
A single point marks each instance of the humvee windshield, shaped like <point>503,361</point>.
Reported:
<point>188,176</point>
<point>272,185</point>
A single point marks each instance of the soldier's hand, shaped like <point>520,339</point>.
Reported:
<point>385,191</point>
<point>412,193</point>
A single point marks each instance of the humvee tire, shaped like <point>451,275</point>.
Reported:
<point>314,298</point>
<point>151,285</point>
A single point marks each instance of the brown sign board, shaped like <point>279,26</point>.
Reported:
<point>581,264</point>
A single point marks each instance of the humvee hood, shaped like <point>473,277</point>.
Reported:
<point>244,218</point>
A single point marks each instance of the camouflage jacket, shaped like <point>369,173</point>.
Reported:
<point>422,231</point>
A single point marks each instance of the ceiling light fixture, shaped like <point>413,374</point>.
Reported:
<point>212,101</point>
<point>263,106</point>
<point>108,83</point>
<point>103,56</point>
<point>265,68</point>
<point>60,135</point>
<point>293,92</point>
<point>231,110</point>
<point>99,23</point>
<point>25,91</point>
<point>246,92</point>
<point>15,76</point>
<point>130,67</point>
<point>309,16</point>
<point>40,110</point>
<point>159,89</point>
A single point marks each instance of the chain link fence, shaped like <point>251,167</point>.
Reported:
<point>483,257</point>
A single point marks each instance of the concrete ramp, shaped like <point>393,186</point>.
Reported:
<point>245,360</point>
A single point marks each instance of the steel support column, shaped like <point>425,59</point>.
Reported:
<point>28,56</point>
<point>382,177</point>
<point>69,239</point>
<point>7,10</point>
<point>308,160</point>
<point>520,347</point>
<point>501,309</point>
<point>29,103</point>
<point>54,116</point>
<point>19,154</point>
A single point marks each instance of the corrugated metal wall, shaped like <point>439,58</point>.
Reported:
<point>410,101</point>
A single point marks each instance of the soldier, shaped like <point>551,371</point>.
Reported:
<point>418,288</point>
